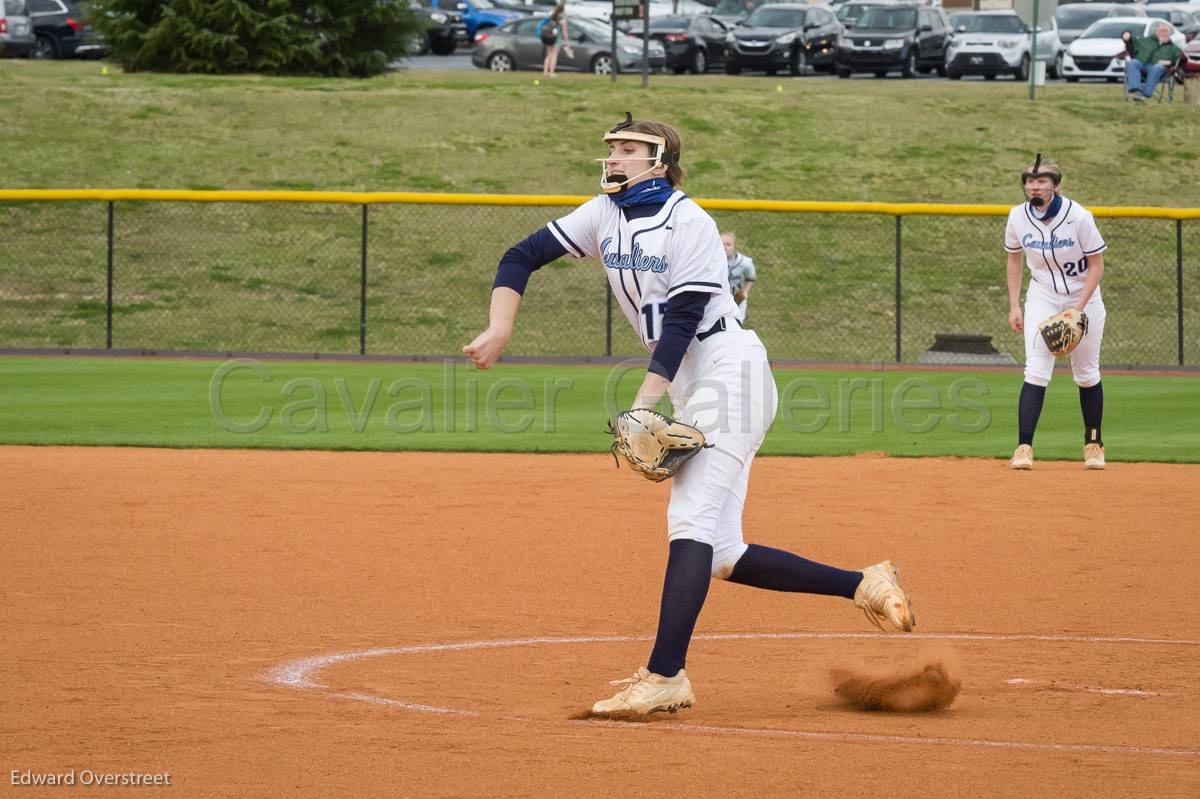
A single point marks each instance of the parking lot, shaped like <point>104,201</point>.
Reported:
<point>461,60</point>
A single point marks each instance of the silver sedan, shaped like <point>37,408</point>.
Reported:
<point>516,45</point>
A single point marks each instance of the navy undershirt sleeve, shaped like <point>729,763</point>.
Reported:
<point>680,322</point>
<point>524,258</point>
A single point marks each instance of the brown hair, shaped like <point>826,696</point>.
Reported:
<point>559,10</point>
<point>675,172</point>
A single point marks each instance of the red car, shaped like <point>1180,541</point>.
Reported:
<point>1191,59</point>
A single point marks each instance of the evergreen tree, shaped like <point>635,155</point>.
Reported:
<point>338,38</point>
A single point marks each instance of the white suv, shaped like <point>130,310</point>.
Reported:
<point>1000,43</point>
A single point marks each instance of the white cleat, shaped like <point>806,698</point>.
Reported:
<point>1022,458</point>
<point>881,598</point>
<point>646,692</point>
<point>1093,456</point>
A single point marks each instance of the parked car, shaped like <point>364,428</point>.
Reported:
<point>1191,60</point>
<point>1100,53</point>
<point>849,13</point>
<point>1184,21</point>
<point>445,30</point>
<point>62,31</point>
<point>16,29</point>
<point>479,14</point>
<point>1074,19</point>
<point>789,36</point>
<point>1000,43</point>
<point>906,37</point>
<point>516,45</point>
<point>691,43</point>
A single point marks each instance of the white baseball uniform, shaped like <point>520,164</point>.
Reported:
<point>724,384</point>
<point>1057,256</point>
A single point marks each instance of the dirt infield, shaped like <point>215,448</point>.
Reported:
<point>264,624</point>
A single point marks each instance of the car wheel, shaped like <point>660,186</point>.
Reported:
<point>699,62</point>
<point>420,45</point>
<point>1072,80</point>
<point>989,77</point>
<point>910,65</point>
<point>771,72</point>
<point>1113,80</point>
<point>941,70</point>
<point>46,47</point>
<point>1056,67</point>
<point>679,70</point>
<point>1021,73</point>
<point>501,62</point>
<point>443,47</point>
<point>732,68</point>
<point>952,75</point>
<point>602,64</point>
<point>799,63</point>
<point>843,73</point>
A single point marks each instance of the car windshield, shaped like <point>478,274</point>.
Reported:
<point>961,18</point>
<point>732,8</point>
<point>587,25</point>
<point>888,19</point>
<point>852,11</point>
<point>14,8</point>
<point>669,24</point>
<point>1159,13</point>
<point>767,17</point>
<point>996,23</point>
<point>1113,30</point>
<point>1079,16</point>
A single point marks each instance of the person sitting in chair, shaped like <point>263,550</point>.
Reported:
<point>1150,58</point>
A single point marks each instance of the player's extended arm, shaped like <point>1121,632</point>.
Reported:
<point>1094,273</point>
<point>1016,319</point>
<point>488,345</point>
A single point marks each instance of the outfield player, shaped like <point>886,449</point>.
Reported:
<point>667,269</point>
<point>1058,240</point>
<point>741,273</point>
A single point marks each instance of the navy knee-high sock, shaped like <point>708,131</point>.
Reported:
<point>689,570</point>
<point>1029,408</point>
<point>776,570</point>
<point>1091,402</point>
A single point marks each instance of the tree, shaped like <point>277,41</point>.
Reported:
<point>336,38</point>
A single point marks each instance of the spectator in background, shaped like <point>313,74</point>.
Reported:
<point>553,33</point>
<point>1151,57</point>
<point>741,273</point>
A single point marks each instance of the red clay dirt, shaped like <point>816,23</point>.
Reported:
<point>152,597</point>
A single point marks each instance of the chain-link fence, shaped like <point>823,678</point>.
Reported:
<point>413,278</point>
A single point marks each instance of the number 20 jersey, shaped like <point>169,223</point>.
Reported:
<point>652,259</point>
<point>1057,253</point>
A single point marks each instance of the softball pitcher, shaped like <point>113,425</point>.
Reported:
<point>667,269</point>
<point>1059,242</point>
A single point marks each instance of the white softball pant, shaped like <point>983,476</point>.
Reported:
<point>724,387</point>
<point>1040,305</point>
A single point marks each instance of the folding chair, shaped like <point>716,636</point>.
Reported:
<point>1166,86</point>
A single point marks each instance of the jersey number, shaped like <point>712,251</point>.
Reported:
<point>652,315</point>
<point>1077,268</point>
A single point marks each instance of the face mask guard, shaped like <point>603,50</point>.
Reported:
<point>611,184</point>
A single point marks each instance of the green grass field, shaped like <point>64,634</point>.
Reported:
<point>518,407</point>
<point>233,277</point>
<point>935,141</point>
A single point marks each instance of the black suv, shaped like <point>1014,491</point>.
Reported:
<point>62,32</point>
<point>906,37</point>
<point>779,36</point>
<point>444,31</point>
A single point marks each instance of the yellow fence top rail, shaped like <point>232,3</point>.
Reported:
<point>570,200</point>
